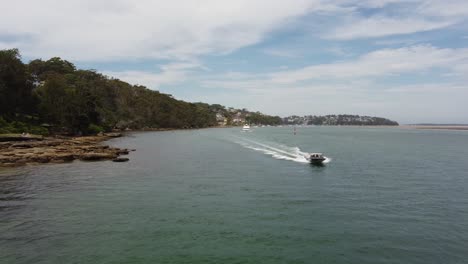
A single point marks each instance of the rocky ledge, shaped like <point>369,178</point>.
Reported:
<point>59,150</point>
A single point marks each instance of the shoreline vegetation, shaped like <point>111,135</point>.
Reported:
<point>50,97</point>
<point>339,120</point>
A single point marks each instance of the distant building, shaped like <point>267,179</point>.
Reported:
<point>238,119</point>
<point>221,119</point>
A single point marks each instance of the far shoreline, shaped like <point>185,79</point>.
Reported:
<point>428,127</point>
<point>435,127</point>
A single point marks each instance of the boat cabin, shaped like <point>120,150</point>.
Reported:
<point>316,155</point>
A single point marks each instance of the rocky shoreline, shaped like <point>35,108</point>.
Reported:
<point>59,150</point>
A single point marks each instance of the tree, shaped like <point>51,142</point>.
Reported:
<point>54,97</point>
<point>15,85</point>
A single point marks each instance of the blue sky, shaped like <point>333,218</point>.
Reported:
<point>402,59</point>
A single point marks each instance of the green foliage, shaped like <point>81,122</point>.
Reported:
<point>83,101</point>
<point>37,130</point>
<point>95,129</point>
<point>15,85</point>
<point>40,70</point>
<point>76,101</point>
<point>17,127</point>
<point>261,119</point>
<point>345,120</point>
<point>4,126</point>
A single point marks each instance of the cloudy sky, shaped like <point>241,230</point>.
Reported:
<point>402,59</point>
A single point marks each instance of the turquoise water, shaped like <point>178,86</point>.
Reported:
<point>386,195</point>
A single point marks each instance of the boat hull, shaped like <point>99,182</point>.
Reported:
<point>317,161</point>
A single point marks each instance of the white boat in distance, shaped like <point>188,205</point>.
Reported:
<point>246,128</point>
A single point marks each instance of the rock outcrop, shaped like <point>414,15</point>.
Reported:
<point>58,150</point>
<point>19,137</point>
<point>120,159</point>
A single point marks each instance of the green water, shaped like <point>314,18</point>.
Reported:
<point>387,195</point>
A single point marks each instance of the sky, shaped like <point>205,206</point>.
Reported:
<point>406,60</point>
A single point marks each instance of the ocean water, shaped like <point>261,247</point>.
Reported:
<point>385,195</point>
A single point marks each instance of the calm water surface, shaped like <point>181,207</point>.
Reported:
<point>387,195</point>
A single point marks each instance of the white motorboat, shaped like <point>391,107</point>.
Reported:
<point>316,158</point>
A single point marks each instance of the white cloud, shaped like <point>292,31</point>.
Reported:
<point>444,8</point>
<point>374,3</point>
<point>358,75</point>
<point>378,63</point>
<point>411,16</point>
<point>286,53</point>
<point>339,51</point>
<point>349,86</point>
<point>122,29</point>
<point>384,26</point>
<point>171,73</point>
<point>109,29</point>
<point>424,88</point>
<point>461,70</point>
<point>397,41</point>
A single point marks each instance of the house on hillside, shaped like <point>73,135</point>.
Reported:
<point>221,119</point>
<point>238,119</point>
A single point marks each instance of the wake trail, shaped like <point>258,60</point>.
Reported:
<point>275,150</point>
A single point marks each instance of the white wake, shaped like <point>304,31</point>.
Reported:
<point>276,150</point>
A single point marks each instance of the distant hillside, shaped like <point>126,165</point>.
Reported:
<point>236,117</point>
<point>339,120</point>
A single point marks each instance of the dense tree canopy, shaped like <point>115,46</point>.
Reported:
<point>259,118</point>
<point>75,101</point>
<point>15,85</point>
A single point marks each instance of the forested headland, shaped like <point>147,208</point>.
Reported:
<point>52,95</point>
<point>339,120</point>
